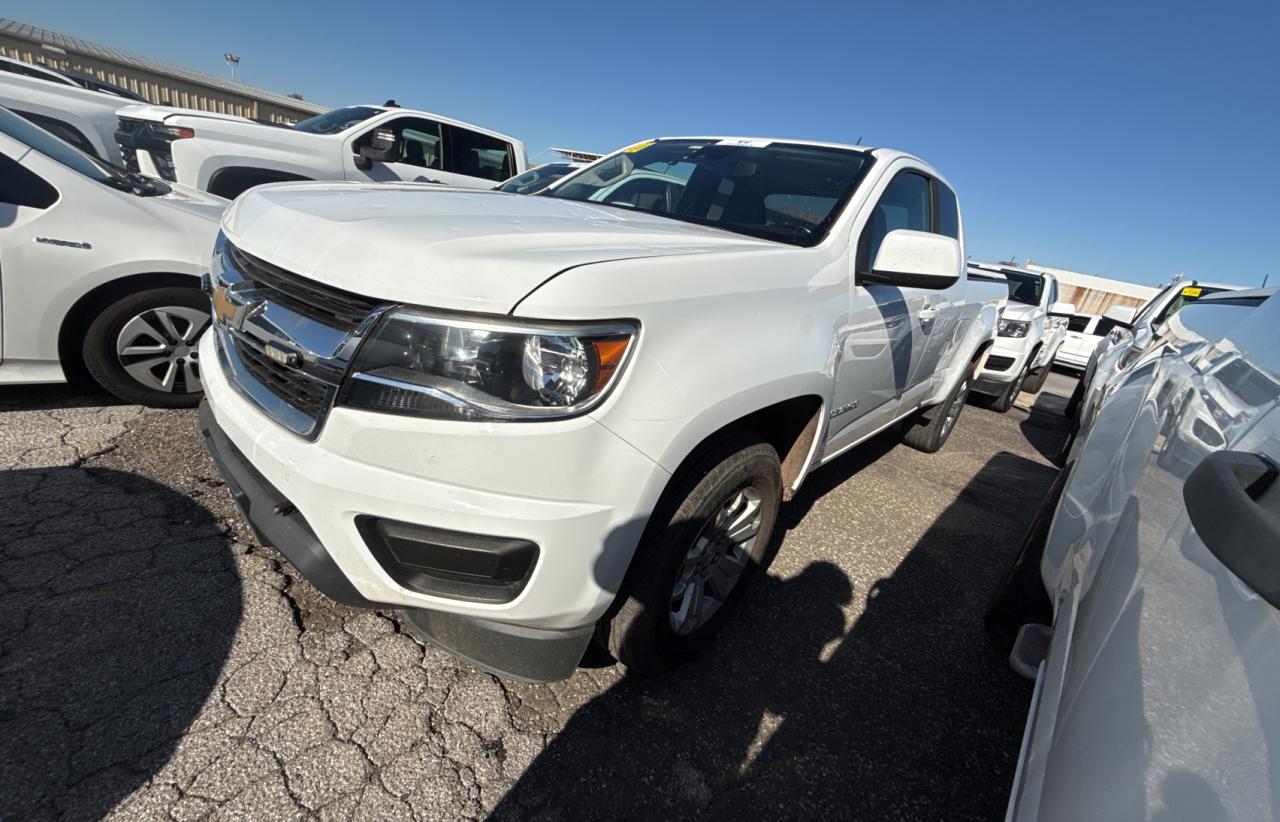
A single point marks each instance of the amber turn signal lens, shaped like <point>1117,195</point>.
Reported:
<point>609,353</point>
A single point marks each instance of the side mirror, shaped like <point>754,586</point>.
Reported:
<point>1143,336</point>
<point>1121,315</point>
<point>383,147</point>
<point>1061,309</point>
<point>915,259</point>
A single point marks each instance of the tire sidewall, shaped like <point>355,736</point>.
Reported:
<point>665,545</point>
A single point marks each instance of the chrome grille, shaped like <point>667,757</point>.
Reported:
<point>334,307</point>
<point>304,393</point>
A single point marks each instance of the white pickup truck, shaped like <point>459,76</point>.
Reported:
<point>535,422</point>
<point>226,155</point>
<point>83,117</point>
<point>1031,329</point>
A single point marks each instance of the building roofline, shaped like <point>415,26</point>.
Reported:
<point>55,41</point>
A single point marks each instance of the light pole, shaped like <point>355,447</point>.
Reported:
<point>232,61</point>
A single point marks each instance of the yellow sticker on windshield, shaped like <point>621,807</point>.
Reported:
<point>638,146</point>
<point>1191,291</point>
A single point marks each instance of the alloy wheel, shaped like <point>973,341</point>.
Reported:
<point>158,348</point>
<point>716,561</point>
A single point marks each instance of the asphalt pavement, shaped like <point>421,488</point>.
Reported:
<point>156,663</point>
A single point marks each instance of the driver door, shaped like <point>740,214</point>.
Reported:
<point>421,153</point>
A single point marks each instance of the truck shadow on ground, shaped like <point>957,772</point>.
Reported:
<point>792,714</point>
<point>109,646</point>
<point>80,394</point>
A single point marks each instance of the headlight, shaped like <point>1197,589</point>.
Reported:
<point>450,368</point>
<point>1013,328</point>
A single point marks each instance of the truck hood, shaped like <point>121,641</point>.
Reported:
<point>158,114</point>
<point>450,248</point>
<point>1019,311</point>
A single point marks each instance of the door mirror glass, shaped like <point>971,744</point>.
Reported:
<point>1143,336</point>
<point>383,147</point>
<point>915,259</point>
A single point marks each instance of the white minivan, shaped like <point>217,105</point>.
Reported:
<point>99,270</point>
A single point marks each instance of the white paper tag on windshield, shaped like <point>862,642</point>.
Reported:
<point>742,141</point>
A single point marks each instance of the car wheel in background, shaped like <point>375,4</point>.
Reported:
<point>142,347</point>
<point>1036,381</point>
<point>1073,404</point>
<point>703,544</point>
<point>1004,400</point>
<point>931,428</point>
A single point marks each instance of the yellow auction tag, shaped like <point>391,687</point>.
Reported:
<point>1191,291</point>
<point>638,146</point>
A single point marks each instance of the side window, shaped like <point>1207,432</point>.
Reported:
<point>948,211</point>
<point>479,155</point>
<point>20,186</point>
<point>419,141</point>
<point>904,204</point>
<point>1053,293</point>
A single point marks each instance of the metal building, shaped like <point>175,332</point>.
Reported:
<point>159,82</point>
<point>1092,294</point>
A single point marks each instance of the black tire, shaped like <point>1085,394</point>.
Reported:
<point>1005,399</point>
<point>108,367</point>
<point>929,430</point>
<point>640,634</point>
<point>1021,597</point>
<point>1036,381</point>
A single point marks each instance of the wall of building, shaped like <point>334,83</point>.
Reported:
<point>157,88</point>
<point>1091,294</point>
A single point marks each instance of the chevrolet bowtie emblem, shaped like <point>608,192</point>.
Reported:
<point>231,312</point>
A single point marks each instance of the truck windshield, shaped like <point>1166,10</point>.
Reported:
<point>1024,288</point>
<point>73,158</point>
<point>338,120</point>
<point>786,192</point>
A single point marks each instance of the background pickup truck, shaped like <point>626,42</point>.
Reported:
<point>583,430</point>
<point>1032,327</point>
<point>83,117</point>
<point>226,155</point>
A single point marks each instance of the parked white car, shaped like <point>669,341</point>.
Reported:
<point>1084,332</point>
<point>84,118</point>
<point>99,269</point>
<point>66,77</point>
<point>1153,633</point>
<point>226,155</point>
<point>1130,335</point>
<point>585,428</point>
<point>1032,328</point>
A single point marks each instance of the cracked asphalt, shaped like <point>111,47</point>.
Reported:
<point>156,663</point>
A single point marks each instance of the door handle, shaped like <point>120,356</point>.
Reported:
<point>1222,498</point>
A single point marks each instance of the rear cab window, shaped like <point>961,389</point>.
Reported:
<point>473,154</point>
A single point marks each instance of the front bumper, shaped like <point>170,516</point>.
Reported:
<point>572,488</point>
<point>1003,364</point>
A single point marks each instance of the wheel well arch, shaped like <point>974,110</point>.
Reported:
<point>232,181</point>
<point>790,426</point>
<point>77,319</point>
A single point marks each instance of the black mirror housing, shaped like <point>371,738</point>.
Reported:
<point>383,147</point>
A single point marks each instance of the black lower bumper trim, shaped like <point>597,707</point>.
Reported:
<point>274,519</point>
<point>511,651</point>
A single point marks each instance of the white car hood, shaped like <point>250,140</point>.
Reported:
<point>1019,311</point>
<point>449,248</point>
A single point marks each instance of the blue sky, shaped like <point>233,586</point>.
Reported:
<point>1129,139</point>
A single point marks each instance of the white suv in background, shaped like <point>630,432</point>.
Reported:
<point>1032,327</point>
<point>99,269</point>
<point>226,155</point>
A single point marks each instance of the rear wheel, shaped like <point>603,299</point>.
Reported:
<point>142,347</point>
<point>929,431</point>
<point>697,556</point>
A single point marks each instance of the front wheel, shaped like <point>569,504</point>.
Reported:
<point>142,347</point>
<point>929,431</point>
<point>1004,400</point>
<point>705,542</point>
